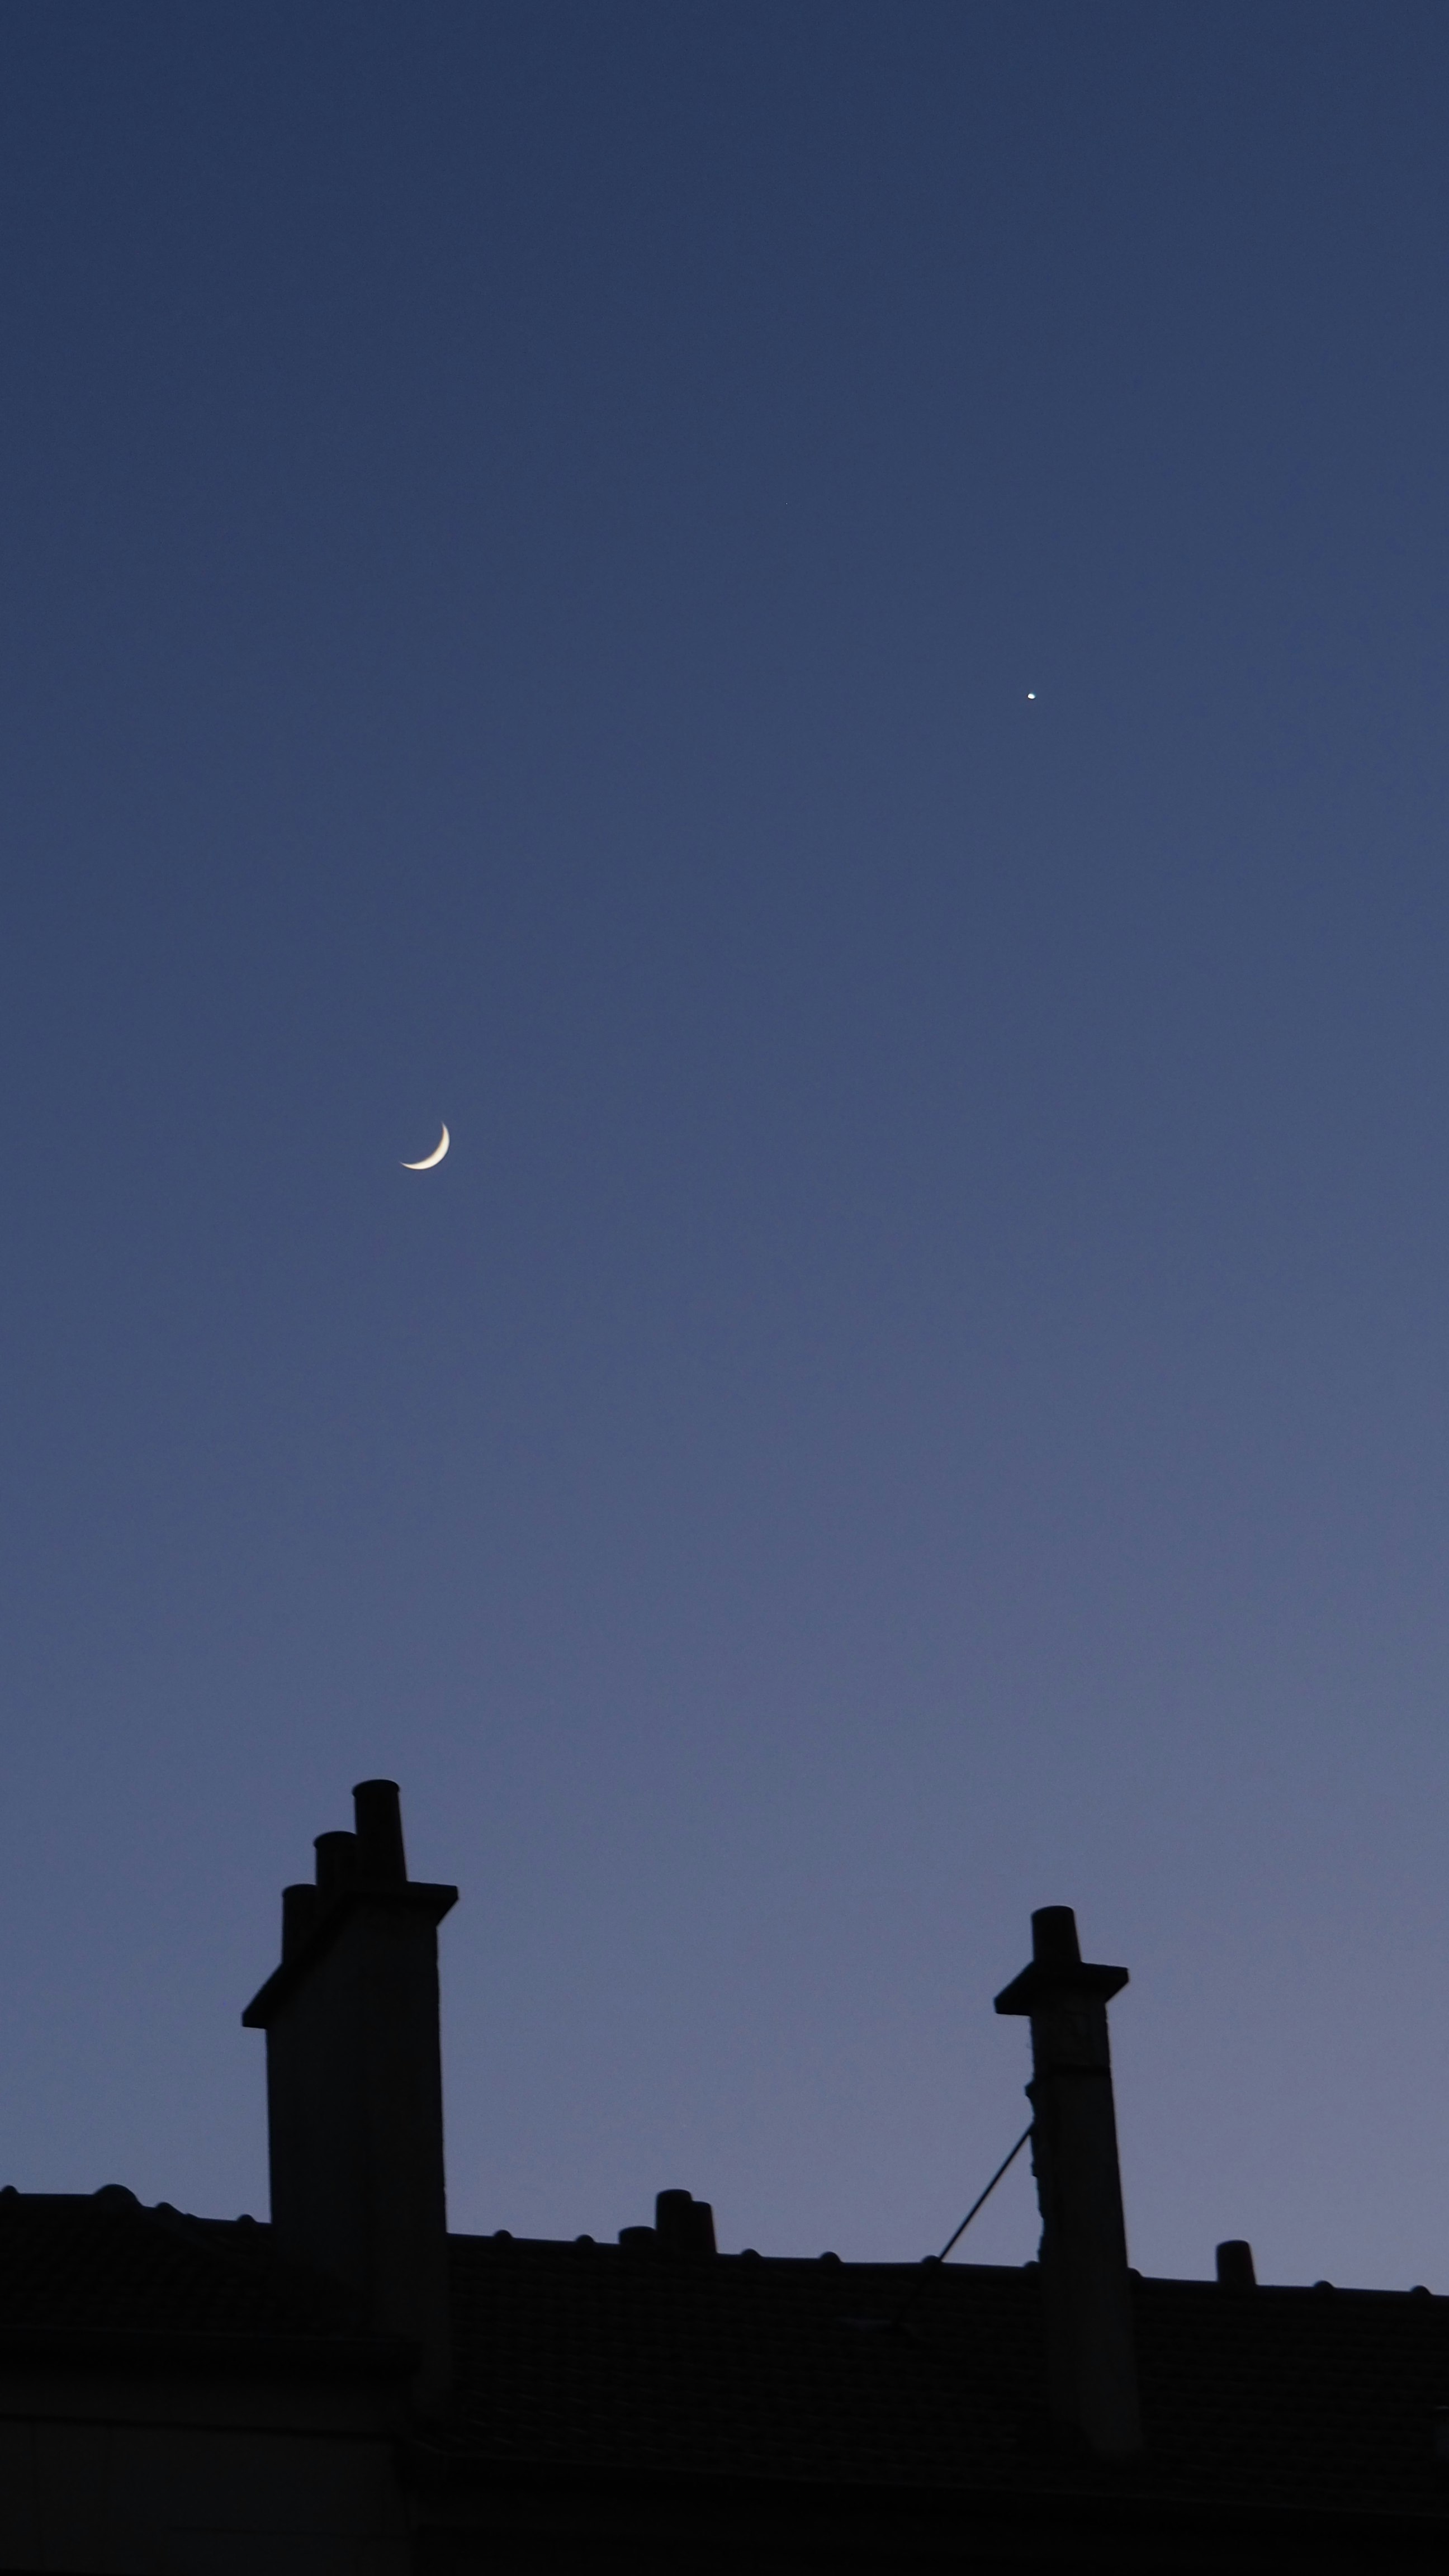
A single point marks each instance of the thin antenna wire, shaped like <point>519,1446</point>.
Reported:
<point>934,2261</point>
<point>983,2197</point>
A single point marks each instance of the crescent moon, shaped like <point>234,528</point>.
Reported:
<point>429,1160</point>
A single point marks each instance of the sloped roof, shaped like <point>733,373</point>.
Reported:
<point>626,2359</point>
<point>103,2264</point>
<point>742,2367</point>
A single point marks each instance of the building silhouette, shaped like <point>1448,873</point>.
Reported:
<point>351,2390</point>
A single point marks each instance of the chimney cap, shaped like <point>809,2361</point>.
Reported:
<point>1057,1968</point>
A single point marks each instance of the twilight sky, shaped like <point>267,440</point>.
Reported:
<point>526,533</point>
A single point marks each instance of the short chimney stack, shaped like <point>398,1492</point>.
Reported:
<point>683,2224</point>
<point>1235,2265</point>
<point>1086,2289</point>
<point>354,2080</point>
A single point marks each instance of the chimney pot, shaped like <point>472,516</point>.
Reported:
<point>336,1862</point>
<point>1054,1942</point>
<point>299,1914</point>
<point>684,2225</point>
<point>1235,2265</point>
<point>381,1861</point>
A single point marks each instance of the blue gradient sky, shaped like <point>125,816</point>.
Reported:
<point>526,533</point>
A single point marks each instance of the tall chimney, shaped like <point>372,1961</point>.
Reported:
<point>1086,2292</point>
<point>354,2079</point>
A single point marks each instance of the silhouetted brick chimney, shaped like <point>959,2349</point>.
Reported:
<point>1086,2291</point>
<point>354,2079</point>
